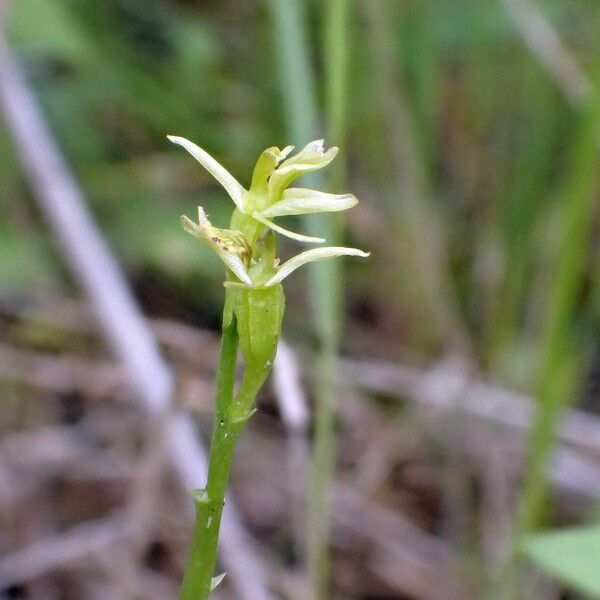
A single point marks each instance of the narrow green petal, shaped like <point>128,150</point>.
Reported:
<point>300,201</point>
<point>266,164</point>
<point>229,245</point>
<point>286,232</point>
<point>311,256</point>
<point>218,171</point>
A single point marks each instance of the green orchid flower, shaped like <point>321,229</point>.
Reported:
<point>267,198</point>
<point>248,247</point>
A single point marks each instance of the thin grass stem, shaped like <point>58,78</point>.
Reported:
<point>299,98</point>
<point>558,352</point>
<point>560,356</point>
<point>324,454</point>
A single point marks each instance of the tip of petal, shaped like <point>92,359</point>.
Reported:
<point>189,225</point>
<point>180,141</point>
<point>202,218</point>
<point>285,152</point>
<point>316,146</point>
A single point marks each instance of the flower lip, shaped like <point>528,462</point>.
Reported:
<point>311,158</point>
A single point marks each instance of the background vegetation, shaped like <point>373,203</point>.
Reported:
<point>474,152</point>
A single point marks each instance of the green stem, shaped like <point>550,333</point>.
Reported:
<point>230,416</point>
<point>209,502</point>
<point>209,508</point>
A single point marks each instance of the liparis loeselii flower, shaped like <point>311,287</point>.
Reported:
<point>248,247</point>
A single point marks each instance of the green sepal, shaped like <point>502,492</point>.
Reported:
<point>265,165</point>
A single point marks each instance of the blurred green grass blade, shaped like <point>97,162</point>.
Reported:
<point>301,114</point>
<point>302,120</point>
<point>570,555</point>
<point>297,84</point>
<point>47,26</point>
<point>533,148</point>
<point>415,221</point>
<point>418,39</point>
<point>336,53</point>
<point>559,355</point>
<point>336,22</point>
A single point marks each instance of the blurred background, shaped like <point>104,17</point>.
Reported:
<point>469,130</point>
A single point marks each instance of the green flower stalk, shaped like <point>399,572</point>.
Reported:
<point>253,311</point>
